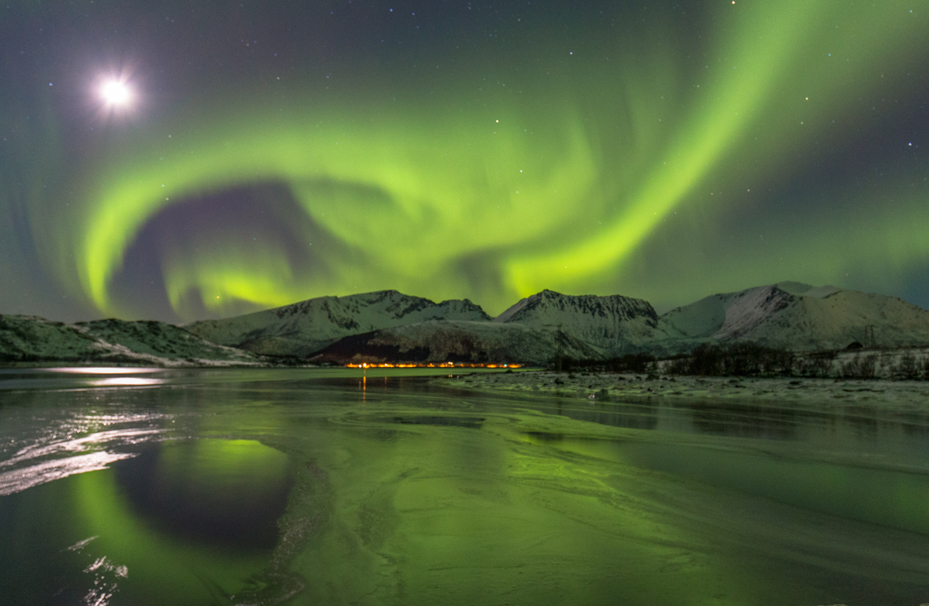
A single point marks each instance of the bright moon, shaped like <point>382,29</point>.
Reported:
<point>116,93</point>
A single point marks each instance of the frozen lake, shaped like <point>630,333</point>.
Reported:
<point>133,486</point>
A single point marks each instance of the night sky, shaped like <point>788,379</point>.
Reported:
<point>183,160</point>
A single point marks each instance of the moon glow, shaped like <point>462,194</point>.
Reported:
<point>116,94</point>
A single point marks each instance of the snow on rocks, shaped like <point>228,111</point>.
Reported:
<point>786,391</point>
<point>29,340</point>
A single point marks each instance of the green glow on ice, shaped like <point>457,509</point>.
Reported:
<point>169,566</point>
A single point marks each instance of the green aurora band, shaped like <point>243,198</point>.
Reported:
<point>558,182</point>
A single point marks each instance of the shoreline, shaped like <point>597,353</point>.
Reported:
<point>903,395</point>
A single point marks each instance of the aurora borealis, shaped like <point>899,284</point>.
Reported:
<point>482,150</point>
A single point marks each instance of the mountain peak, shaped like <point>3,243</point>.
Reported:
<point>613,323</point>
<point>552,304</point>
<point>308,326</point>
<point>391,325</point>
<point>795,316</point>
<point>805,290</point>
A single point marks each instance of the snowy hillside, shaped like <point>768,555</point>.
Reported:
<point>307,327</point>
<point>478,342</point>
<point>796,316</point>
<point>148,338</point>
<point>29,339</point>
<point>390,326</point>
<point>614,324</point>
<point>24,338</point>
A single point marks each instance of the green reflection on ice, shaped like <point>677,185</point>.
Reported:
<point>195,478</point>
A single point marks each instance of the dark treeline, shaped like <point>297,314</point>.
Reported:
<point>733,360</point>
<point>748,359</point>
<point>640,363</point>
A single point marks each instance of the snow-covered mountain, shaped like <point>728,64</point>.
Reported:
<point>454,341</point>
<point>390,326</point>
<point>34,340</point>
<point>795,316</point>
<point>535,330</point>
<point>304,328</point>
<point>614,324</point>
<point>539,328</point>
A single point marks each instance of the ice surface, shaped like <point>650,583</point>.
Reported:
<point>422,493</point>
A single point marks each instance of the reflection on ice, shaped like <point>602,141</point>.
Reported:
<point>93,441</point>
<point>65,448</point>
<point>104,574</point>
<point>218,492</point>
<point>56,469</point>
<point>101,370</point>
<point>126,382</point>
<point>82,544</point>
<point>262,486</point>
<point>79,378</point>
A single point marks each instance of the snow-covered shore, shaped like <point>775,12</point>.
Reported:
<point>790,392</point>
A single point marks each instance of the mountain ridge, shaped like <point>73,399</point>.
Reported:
<point>305,327</point>
<point>34,340</point>
<point>615,324</point>
<point>391,326</point>
<point>784,316</point>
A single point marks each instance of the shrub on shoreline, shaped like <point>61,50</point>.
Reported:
<point>749,359</point>
<point>746,359</point>
<point>638,363</point>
